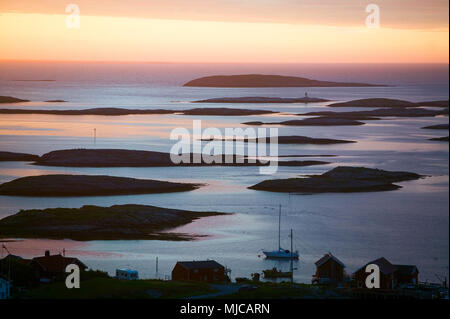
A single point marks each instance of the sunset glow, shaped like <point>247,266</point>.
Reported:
<point>43,36</point>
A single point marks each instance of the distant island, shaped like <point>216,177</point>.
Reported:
<point>314,121</point>
<point>118,222</point>
<point>137,158</point>
<point>12,156</point>
<point>266,80</point>
<point>288,140</point>
<point>88,185</point>
<point>436,127</point>
<point>55,101</point>
<point>262,99</point>
<point>383,112</point>
<point>388,103</point>
<point>10,99</point>
<point>439,139</point>
<point>112,111</point>
<point>342,179</point>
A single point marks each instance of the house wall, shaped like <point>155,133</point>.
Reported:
<point>332,270</point>
<point>385,280</point>
<point>179,273</point>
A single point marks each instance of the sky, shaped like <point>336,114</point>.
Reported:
<point>273,31</point>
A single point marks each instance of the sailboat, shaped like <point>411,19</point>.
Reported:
<point>281,253</point>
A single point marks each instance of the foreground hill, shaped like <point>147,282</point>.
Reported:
<point>266,80</point>
<point>342,179</point>
<point>100,223</point>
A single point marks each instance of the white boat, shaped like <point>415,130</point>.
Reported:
<point>281,253</point>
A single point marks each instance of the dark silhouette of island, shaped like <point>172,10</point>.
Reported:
<point>10,99</point>
<point>314,121</point>
<point>342,179</point>
<point>223,111</point>
<point>389,103</point>
<point>55,101</point>
<point>439,139</point>
<point>261,99</point>
<point>288,140</point>
<point>442,103</point>
<point>111,111</point>
<point>12,156</point>
<point>88,185</point>
<point>133,158</point>
<point>377,113</point>
<point>266,80</point>
<point>436,127</point>
<point>118,222</point>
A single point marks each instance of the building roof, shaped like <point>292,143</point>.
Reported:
<point>18,259</point>
<point>406,269</point>
<point>327,257</point>
<point>56,263</point>
<point>385,266</point>
<point>199,264</point>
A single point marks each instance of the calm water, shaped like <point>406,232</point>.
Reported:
<point>407,226</point>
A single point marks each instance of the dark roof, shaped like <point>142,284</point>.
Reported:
<point>385,266</point>
<point>327,257</point>
<point>406,269</point>
<point>18,259</point>
<point>56,263</point>
<point>200,264</point>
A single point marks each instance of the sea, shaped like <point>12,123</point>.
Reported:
<point>407,226</point>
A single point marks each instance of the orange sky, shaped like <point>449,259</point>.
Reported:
<point>225,31</point>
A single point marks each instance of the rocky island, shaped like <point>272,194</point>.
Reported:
<point>294,139</point>
<point>112,111</point>
<point>439,139</point>
<point>12,156</point>
<point>314,121</point>
<point>436,127</point>
<point>342,179</point>
<point>133,158</point>
<point>377,113</point>
<point>389,103</point>
<point>88,185</point>
<point>118,222</point>
<point>266,80</point>
<point>10,99</point>
<point>262,99</point>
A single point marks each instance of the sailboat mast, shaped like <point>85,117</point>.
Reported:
<point>292,260</point>
<point>279,229</point>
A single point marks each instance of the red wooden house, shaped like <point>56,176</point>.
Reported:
<point>391,276</point>
<point>53,267</point>
<point>329,270</point>
<point>207,271</point>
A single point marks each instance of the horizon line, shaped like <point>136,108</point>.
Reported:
<point>210,62</point>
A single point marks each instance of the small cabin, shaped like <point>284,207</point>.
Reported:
<point>206,271</point>
<point>329,270</point>
<point>127,274</point>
